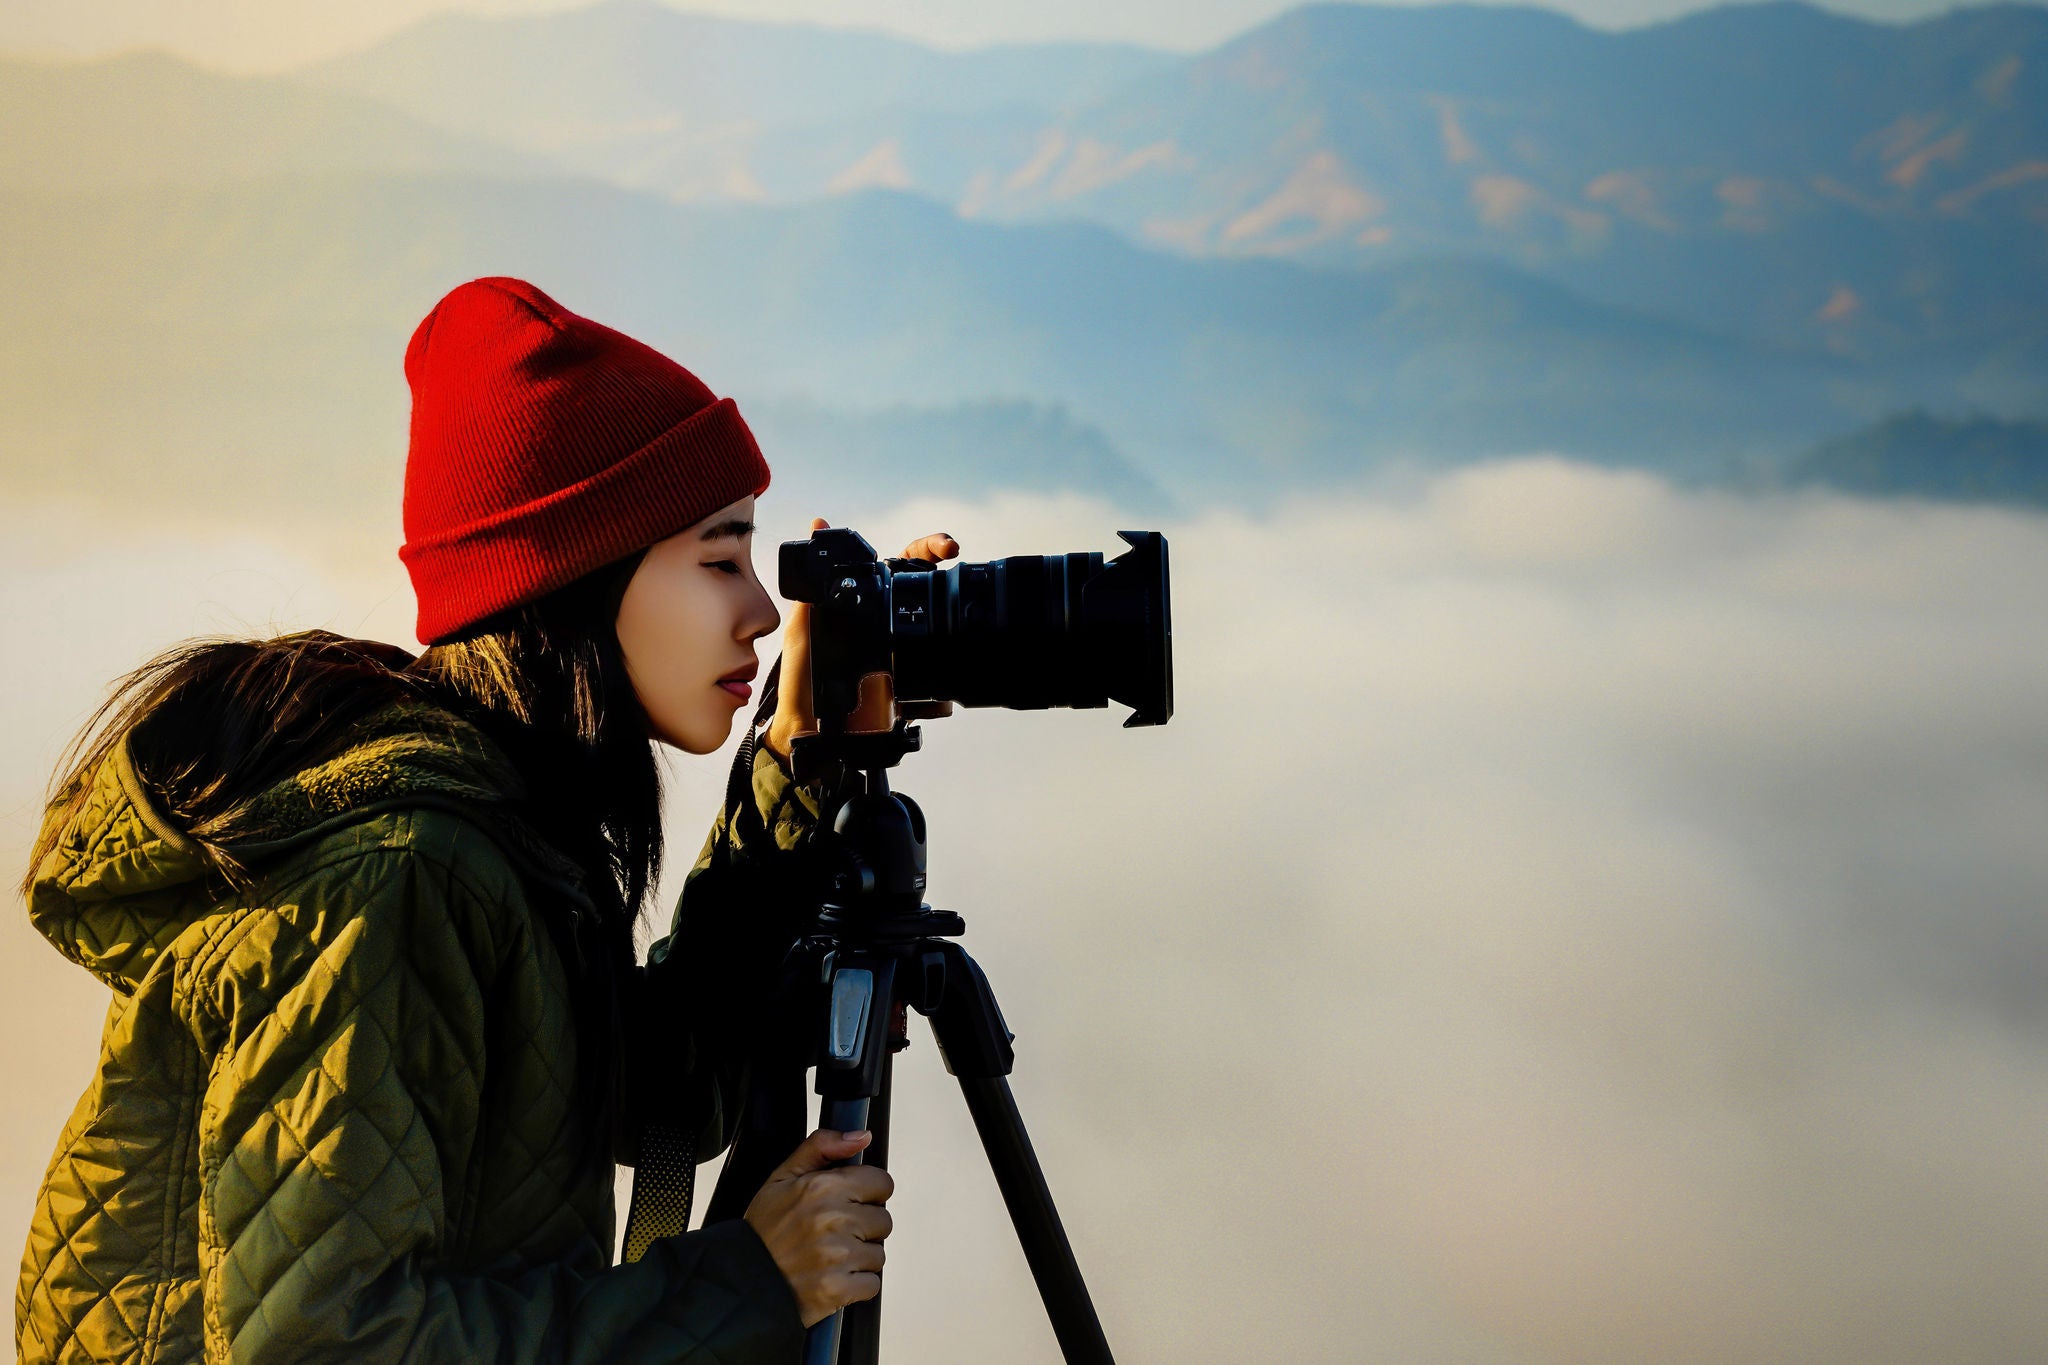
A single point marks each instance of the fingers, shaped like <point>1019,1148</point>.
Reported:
<point>933,548</point>
<point>835,1292</point>
<point>856,1184</point>
<point>867,1222</point>
<point>822,1148</point>
<point>824,1224</point>
<point>859,1271</point>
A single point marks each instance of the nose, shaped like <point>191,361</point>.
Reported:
<point>764,619</point>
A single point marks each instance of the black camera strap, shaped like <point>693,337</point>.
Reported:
<point>739,783</point>
<point>665,1164</point>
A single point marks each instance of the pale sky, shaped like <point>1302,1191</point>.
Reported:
<point>268,34</point>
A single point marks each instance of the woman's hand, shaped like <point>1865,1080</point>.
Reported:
<point>795,714</point>
<point>824,1224</point>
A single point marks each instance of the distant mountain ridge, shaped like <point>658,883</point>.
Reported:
<point>1919,454</point>
<point>1771,169</point>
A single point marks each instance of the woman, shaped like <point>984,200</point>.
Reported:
<point>377,1031</point>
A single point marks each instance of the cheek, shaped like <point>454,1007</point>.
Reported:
<point>666,635</point>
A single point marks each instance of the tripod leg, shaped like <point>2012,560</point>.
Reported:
<point>821,1343</point>
<point>1038,1223</point>
<point>860,1335</point>
<point>976,1044</point>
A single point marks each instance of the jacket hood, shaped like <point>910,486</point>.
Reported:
<point>124,880</point>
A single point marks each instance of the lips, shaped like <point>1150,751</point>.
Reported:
<point>736,681</point>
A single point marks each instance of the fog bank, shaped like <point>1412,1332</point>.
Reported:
<point>1566,920</point>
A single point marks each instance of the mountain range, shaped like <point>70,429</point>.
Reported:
<point>1353,235</point>
<point>1773,169</point>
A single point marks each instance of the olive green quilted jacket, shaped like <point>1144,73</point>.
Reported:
<point>334,1114</point>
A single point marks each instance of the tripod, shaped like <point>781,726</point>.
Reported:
<point>877,952</point>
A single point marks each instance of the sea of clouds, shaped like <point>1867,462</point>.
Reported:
<point>1568,919</point>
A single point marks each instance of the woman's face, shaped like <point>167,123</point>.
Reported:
<point>690,616</point>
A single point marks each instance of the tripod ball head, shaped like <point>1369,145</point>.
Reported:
<point>882,836</point>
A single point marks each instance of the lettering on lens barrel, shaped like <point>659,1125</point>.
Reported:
<point>901,637</point>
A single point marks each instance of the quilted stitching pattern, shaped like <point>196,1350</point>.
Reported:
<point>334,1115</point>
<point>788,812</point>
<point>121,858</point>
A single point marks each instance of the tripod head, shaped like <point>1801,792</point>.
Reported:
<point>877,841</point>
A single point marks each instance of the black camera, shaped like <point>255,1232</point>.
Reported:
<point>903,637</point>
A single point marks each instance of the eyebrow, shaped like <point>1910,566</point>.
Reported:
<point>730,528</point>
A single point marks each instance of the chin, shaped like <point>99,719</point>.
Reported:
<point>706,737</point>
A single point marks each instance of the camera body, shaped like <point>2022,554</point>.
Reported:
<point>903,637</point>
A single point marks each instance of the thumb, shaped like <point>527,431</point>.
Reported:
<point>796,635</point>
<point>793,697</point>
<point>820,1150</point>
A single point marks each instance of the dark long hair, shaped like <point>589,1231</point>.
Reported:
<point>215,721</point>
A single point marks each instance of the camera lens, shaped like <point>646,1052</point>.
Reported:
<point>1036,631</point>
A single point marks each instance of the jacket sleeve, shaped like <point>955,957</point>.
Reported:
<point>338,1139</point>
<point>754,888</point>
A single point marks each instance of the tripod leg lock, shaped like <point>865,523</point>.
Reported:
<point>853,1000</point>
<point>973,1039</point>
<point>856,1038</point>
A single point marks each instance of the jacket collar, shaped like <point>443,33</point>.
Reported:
<point>124,879</point>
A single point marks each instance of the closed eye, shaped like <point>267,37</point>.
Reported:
<point>725,566</point>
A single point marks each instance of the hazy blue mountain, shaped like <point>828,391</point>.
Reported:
<point>243,342</point>
<point>1772,170</point>
<point>1746,171</point>
<point>1916,454</point>
<point>647,95</point>
<point>147,118</point>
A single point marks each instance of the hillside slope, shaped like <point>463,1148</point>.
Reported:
<point>148,119</point>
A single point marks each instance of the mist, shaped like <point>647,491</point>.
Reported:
<point>1568,919</point>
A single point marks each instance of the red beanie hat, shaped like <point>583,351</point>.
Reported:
<point>545,445</point>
